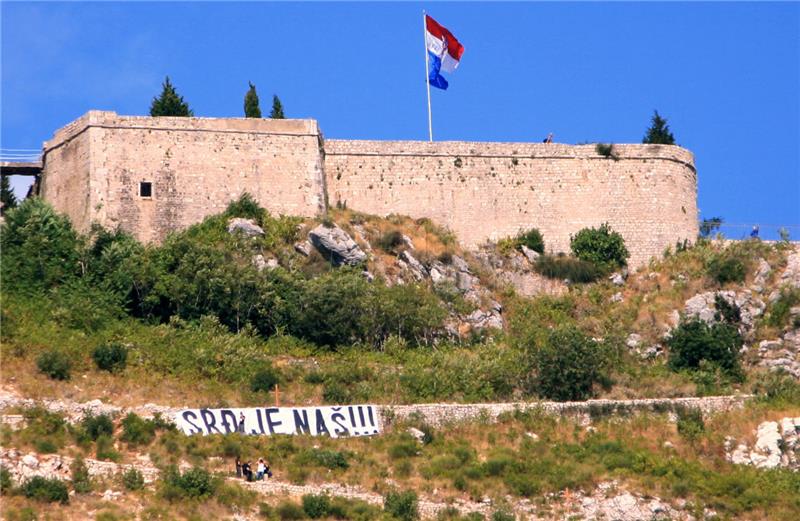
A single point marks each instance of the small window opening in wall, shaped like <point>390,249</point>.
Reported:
<point>145,189</point>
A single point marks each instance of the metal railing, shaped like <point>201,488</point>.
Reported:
<point>20,155</point>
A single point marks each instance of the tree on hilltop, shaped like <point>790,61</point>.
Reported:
<point>169,103</point>
<point>7,196</point>
<point>658,133</point>
<point>277,108</point>
<point>251,108</point>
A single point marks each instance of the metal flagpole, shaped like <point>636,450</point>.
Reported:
<point>427,78</point>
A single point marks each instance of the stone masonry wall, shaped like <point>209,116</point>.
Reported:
<point>196,167</point>
<point>93,168</point>
<point>492,190</point>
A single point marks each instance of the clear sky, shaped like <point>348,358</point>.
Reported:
<point>725,75</point>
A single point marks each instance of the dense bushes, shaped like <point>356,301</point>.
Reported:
<point>264,380</point>
<point>568,365</point>
<point>401,505</point>
<point>316,506</point>
<point>694,342</point>
<point>80,476</point>
<point>601,246</point>
<point>201,272</point>
<point>569,268</point>
<point>49,490</point>
<point>195,483</point>
<point>111,357</point>
<point>132,479</point>
<point>54,364</point>
<point>727,267</point>
<point>92,427</point>
<point>40,247</point>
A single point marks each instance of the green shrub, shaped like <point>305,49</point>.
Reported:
<point>390,240</point>
<point>694,341</point>
<point>568,365</point>
<point>726,311</point>
<point>92,427</point>
<point>601,246</point>
<point>316,506</point>
<point>40,247</point>
<point>264,380</point>
<point>606,150</point>
<point>5,480</point>
<point>246,207</point>
<point>110,357</point>
<point>335,393</point>
<point>45,446</point>
<point>195,483</point>
<point>54,364</point>
<point>779,311</point>
<point>46,489</point>
<point>80,476</point>
<point>289,511</point>
<point>401,505</point>
<point>569,268</point>
<point>331,459</point>
<point>132,479</point>
<point>532,239</point>
<point>690,423</point>
<point>726,267</point>
<point>778,389</point>
<point>502,515</point>
<point>137,431</point>
<point>406,448</point>
<point>104,449</point>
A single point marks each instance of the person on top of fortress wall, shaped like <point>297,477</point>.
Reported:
<point>548,139</point>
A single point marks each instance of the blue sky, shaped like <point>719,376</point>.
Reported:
<point>725,75</point>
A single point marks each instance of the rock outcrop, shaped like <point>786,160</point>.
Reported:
<point>336,245</point>
<point>777,444</point>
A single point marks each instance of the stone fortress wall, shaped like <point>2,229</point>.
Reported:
<point>95,166</point>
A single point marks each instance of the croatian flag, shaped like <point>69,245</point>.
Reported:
<point>444,52</point>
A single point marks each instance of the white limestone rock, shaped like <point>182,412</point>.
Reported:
<point>246,227</point>
<point>336,245</point>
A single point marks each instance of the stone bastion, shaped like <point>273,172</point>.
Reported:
<point>151,176</point>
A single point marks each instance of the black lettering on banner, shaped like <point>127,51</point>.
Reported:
<point>260,424</point>
<point>272,423</point>
<point>229,427</point>
<point>210,421</point>
<point>370,411</point>
<point>337,418</point>
<point>361,416</point>
<point>352,420</point>
<point>301,422</point>
<point>321,427</point>
<point>188,416</point>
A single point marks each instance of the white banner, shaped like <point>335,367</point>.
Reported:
<point>346,420</point>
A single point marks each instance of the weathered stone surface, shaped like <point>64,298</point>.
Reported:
<point>336,245</point>
<point>616,297</point>
<point>261,263</point>
<point>530,254</point>
<point>703,306</point>
<point>791,274</point>
<point>776,445</point>
<point>416,268</point>
<point>633,341</point>
<point>246,227</point>
<point>617,279</point>
<point>303,248</point>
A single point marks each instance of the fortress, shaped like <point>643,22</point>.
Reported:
<point>150,176</point>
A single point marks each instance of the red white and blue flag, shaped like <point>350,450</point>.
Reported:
<point>444,52</point>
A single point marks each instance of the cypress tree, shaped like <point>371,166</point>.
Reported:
<point>277,108</point>
<point>169,103</point>
<point>7,196</point>
<point>658,133</point>
<point>251,108</point>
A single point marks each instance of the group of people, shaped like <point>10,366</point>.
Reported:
<point>244,469</point>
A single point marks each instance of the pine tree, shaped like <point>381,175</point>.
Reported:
<point>658,133</point>
<point>7,196</point>
<point>169,103</point>
<point>277,108</point>
<point>251,108</point>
